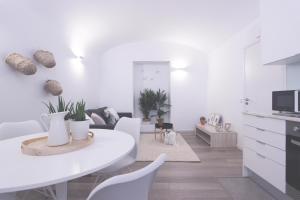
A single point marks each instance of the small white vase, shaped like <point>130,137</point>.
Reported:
<point>79,129</point>
<point>57,134</point>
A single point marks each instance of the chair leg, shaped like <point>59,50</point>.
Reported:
<point>99,178</point>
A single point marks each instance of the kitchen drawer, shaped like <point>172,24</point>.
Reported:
<point>269,170</point>
<point>272,153</point>
<point>265,123</point>
<point>268,137</point>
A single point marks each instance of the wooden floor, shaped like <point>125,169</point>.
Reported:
<point>217,177</point>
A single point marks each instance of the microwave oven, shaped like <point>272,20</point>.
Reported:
<point>286,101</point>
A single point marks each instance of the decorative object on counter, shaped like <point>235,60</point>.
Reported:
<point>170,138</point>
<point>38,146</point>
<point>211,119</point>
<point>161,105</point>
<point>21,64</point>
<point>79,124</point>
<point>202,121</point>
<point>227,126</point>
<point>45,58</point>
<point>218,127</point>
<point>147,103</point>
<point>214,119</point>
<point>217,120</point>
<point>53,87</point>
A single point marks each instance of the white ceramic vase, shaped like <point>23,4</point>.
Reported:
<point>57,134</point>
<point>79,129</point>
<point>45,119</point>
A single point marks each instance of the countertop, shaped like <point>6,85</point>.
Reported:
<point>280,117</point>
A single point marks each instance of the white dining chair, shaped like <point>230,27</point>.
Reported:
<point>134,186</point>
<point>130,126</point>
<point>16,129</point>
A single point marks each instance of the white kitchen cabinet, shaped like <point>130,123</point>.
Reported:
<point>265,148</point>
<point>280,31</point>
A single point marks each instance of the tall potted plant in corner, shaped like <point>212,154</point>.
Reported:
<point>79,124</point>
<point>161,106</point>
<point>146,103</point>
<point>58,133</point>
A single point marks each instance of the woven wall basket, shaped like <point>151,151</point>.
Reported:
<point>21,64</point>
<point>45,58</point>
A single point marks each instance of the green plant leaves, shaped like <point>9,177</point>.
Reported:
<point>78,114</point>
<point>150,100</point>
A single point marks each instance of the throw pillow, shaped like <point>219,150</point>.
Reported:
<point>87,117</point>
<point>97,119</point>
<point>112,116</point>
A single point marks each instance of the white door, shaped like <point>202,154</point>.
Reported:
<point>260,81</point>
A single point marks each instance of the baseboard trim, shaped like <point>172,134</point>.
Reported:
<point>274,192</point>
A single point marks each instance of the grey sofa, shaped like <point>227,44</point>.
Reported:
<point>100,112</point>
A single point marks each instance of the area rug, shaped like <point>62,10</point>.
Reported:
<point>150,148</point>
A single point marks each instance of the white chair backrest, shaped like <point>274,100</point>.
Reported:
<point>134,186</point>
<point>45,120</point>
<point>131,126</point>
<point>15,129</point>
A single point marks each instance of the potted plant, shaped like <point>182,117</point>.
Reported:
<point>147,103</point>
<point>79,124</point>
<point>161,105</point>
<point>62,106</point>
<point>58,133</point>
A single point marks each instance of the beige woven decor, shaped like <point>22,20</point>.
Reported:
<point>45,58</point>
<point>21,64</point>
<point>53,87</point>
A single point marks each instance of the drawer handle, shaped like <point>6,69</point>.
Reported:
<point>295,142</point>
<point>264,157</point>
<point>259,116</point>
<point>260,142</point>
<point>260,129</point>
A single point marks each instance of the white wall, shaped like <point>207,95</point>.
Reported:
<point>226,77</point>
<point>150,75</point>
<point>21,96</point>
<point>292,76</point>
<point>188,86</point>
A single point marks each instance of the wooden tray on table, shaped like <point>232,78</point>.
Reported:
<point>38,146</point>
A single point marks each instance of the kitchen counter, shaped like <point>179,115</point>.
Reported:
<point>280,117</point>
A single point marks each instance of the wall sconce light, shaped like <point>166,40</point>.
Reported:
<point>179,64</point>
<point>179,74</point>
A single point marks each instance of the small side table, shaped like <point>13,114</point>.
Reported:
<point>162,129</point>
<point>216,138</point>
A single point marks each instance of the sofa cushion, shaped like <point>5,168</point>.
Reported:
<point>98,119</point>
<point>107,126</point>
<point>98,111</point>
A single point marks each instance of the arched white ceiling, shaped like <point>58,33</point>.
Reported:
<point>85,24</point>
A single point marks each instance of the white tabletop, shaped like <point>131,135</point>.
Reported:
<point>21,172</point>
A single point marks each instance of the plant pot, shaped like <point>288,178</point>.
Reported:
<point>45,119</point>
<point>67,124</point>
<point>57,134</point>
<point>160,121</point>
<point>146,119</point>
<point>79,129</point>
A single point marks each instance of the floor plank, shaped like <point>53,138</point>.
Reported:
<point>217,177</point>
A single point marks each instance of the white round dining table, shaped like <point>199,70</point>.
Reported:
<point>22,172</point>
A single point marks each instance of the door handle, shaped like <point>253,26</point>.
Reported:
<point>295,142</point>
<point>260,129</point>
<point>260,142</point>
<point>264,157</point>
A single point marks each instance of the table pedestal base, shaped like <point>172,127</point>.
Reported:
<point>61,191</point>
<point>8,196</point>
